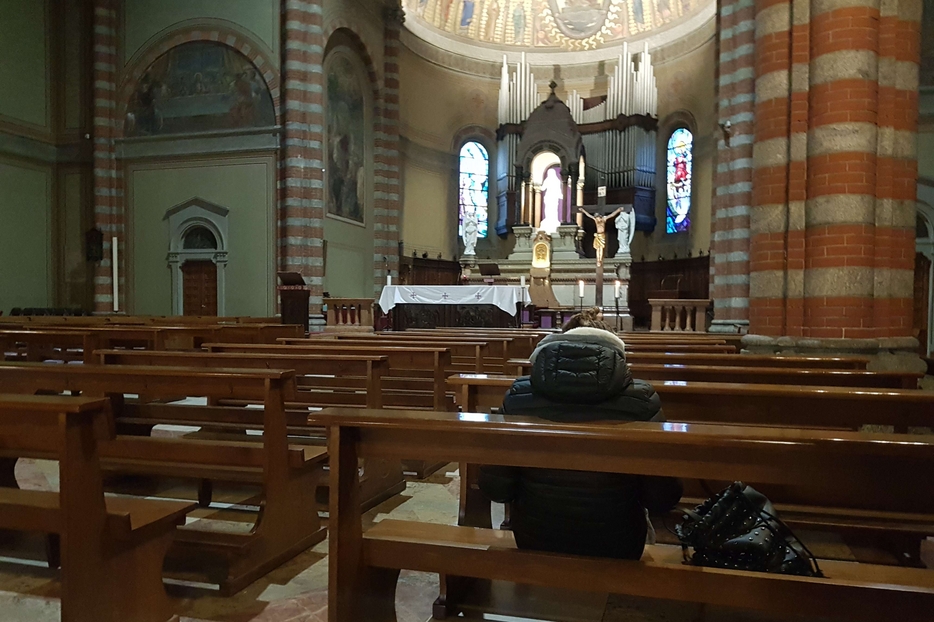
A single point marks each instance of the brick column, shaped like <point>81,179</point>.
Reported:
<point>836,121</point>
<point>736,98</point>
<point>388,202</point>
<point>109,215</point>
<point>301,175</point>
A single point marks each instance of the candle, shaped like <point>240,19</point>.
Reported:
<point>616,288</point>
<point>388,279</point>
<point>580,285</point>
<point>522,280</point>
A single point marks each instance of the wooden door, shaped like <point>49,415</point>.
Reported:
<point>199,287</point>
<point>921,299</point>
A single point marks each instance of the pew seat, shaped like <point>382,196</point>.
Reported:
<point>661,573</point>
<point>851,470</point>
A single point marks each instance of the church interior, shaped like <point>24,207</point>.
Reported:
<point>275,274</point>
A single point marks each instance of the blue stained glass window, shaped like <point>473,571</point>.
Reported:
<point>680,180</point>
<point>474,186</point>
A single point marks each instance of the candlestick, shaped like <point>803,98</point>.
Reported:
<point>580,287</point>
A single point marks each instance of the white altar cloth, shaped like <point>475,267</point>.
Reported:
<point>506,297</point>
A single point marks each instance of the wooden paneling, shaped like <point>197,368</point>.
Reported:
<point>424,271</point>
<point>672,278</point>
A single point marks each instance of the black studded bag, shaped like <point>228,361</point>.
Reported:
<point>737,528</point>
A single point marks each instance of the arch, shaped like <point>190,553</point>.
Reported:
<point>187,219</point>
<point>341,33</point>
<point>217,31</point>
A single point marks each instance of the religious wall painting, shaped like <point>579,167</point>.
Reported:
<point>561,24</point>
<point>345,115</point>
<point>199,86</point>
<point>474,187</point>
<point>680,169</point>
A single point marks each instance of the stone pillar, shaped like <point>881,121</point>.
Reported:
<point>388,201</point>
<point>109,214</point>
<point>729,265</point>
<point>301,210</point>
<point>836,168</point>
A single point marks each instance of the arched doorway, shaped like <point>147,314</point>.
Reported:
<point>197,257</point>
<point>199,276</point>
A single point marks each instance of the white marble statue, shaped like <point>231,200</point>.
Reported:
<point>552,191</point>
<point>625,229</point>
<point>471,232</point>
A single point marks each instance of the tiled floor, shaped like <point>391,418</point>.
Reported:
<point>297,591</point>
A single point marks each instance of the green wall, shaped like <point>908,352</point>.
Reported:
<point>24,65</point>
<point>26,263</point>
<point>146,18</point>
<point>245,186</point>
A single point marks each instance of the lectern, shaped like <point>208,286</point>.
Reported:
<point>294,295</point>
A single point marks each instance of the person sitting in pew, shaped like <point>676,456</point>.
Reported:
<point>581,376</point>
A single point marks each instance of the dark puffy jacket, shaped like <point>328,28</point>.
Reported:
<point>581,376</point>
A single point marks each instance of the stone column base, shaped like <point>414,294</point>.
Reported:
<point>729,327</point>
<point>887,354</point>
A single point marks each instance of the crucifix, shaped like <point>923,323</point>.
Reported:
<point>599,245</point>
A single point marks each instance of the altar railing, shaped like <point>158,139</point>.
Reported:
<point>349,314</point>
<point>679,315</point>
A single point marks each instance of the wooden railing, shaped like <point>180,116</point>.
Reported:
<point>350,314</point>
<point>679,315</point>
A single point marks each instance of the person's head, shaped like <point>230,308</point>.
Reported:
<point>590,318</point>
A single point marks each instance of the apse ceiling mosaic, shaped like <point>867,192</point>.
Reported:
<point>555,24</point>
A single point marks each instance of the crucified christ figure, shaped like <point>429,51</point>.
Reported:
<point>599,238</point>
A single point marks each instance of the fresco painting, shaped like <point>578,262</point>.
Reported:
<point>560,24</point>
<point>346,141</point>
<point>200,86</point>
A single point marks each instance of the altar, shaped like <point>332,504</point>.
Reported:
<point>430,306</point>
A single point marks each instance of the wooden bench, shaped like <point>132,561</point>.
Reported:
<point>476,355</point>
<point>369,369</point>
<point>425,368</point>
<point>767,404</point>
<point>110,549</point>
<point>521,343</point>
<point>288,522</point>
<point>523,366</point>
<point>889,470</point>
<point>42,345</point>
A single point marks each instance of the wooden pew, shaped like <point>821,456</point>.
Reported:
<point>369,368</point>
<point>432,365</point>
<point>765,404</point>
<point>857,470</point>
<point>41,345</point>
<point>481,355</point>
<point>679,347</point>
<point>415,378</point>
<point>288,523</point>
<point>111,549</point>
<point>521,343</point>
<point>523,366</point>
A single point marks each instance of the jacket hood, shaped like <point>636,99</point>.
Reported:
<point>584,365</point>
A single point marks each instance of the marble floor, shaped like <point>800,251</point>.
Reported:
<point>297,591</point>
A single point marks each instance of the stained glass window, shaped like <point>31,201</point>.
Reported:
<point>680,178</point>
<point>474,186</point>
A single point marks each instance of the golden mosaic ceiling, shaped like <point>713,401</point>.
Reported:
<point>549,24</point>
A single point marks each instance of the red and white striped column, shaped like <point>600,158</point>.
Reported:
<point>109,215</point>
<point>301,170</point>
<point>388,203</point>
<point>835,168</point>
<point>730,229</point>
